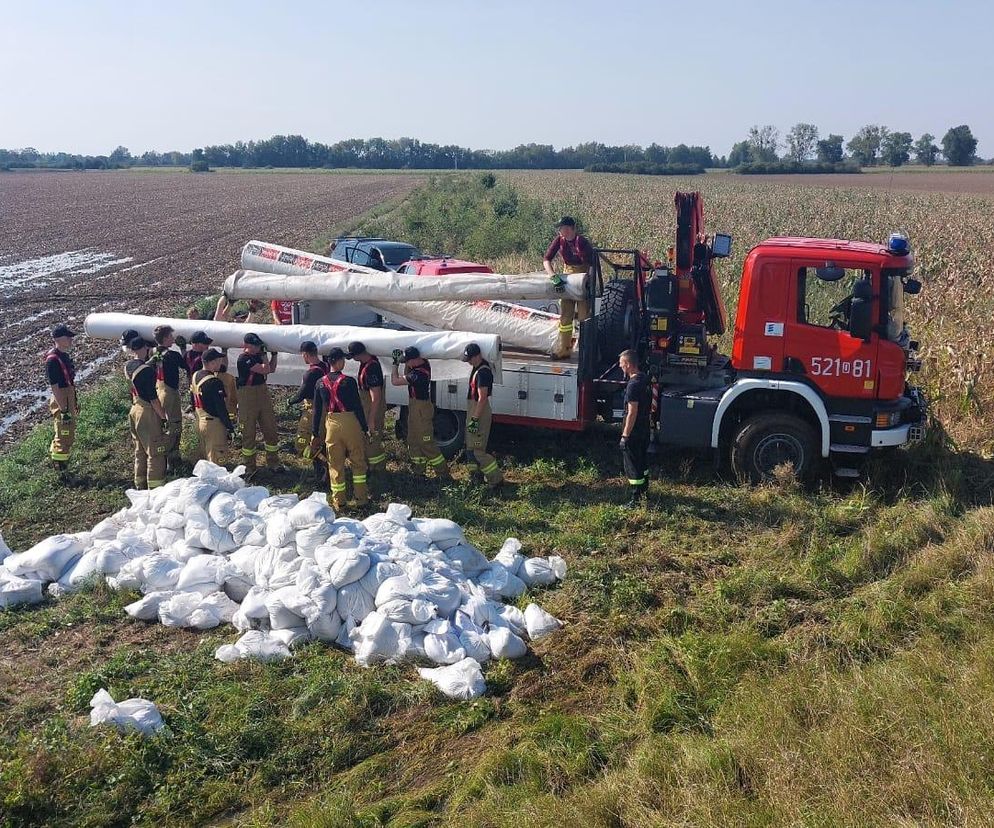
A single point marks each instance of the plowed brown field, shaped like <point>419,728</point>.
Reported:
<point>132,241</point>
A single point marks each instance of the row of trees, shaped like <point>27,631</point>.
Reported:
<point>373,153</point>
<point>870,146</point>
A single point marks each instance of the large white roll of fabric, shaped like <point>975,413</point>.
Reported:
<point>381,342</point>
<point>351,286</point>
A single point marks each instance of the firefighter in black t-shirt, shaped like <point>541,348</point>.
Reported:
<point>336,402</point>
<point>374,404</point>
<point>213,423</point>
<point>420,411</point>
<point>168,365</point>
<point>64,406</point>
<point>635,427</point>
<point>316,369</point>
<point>478,415</point>
<point>147,418</point>
<point>255,406</point>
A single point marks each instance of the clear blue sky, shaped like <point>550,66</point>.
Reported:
<point>85,77</point>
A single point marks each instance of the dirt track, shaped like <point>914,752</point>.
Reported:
<point>74,242</point>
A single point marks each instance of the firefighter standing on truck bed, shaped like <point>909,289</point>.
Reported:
<point>214,425</point>
<point>420,411</point>
<point>168,364</point>
<point>374,403</point>
<point>578,255</point>
<point>316,369</point>
<point>255,406</point>
<point>634,442</point>
<point>147,418</point>
<point>64,406</point>
<point>336,401</point>
<point>481,386</point>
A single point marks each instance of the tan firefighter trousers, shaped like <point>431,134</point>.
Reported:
<point>476,448</point>
<point>377,457</point>
<point>169,400</point>
<point>150,445</point>
<point>344,440</point>
<point>65,430</point>
<point>255,413</point>
<point>571,313</point>
<point>421,438</point>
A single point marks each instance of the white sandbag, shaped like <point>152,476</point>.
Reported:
<point>285,608</point>
<point>441,643</point>
<point>93,565</point>
<point>311,511</point>
<point>513,618</point>
<point>274,567</point>
<point>138,715</point>
<point>255,645</point>
<point>505,644</point>
<point>415,611</point>
<point>204,574</point>
<point>277,503</point>
<point>326,627</point>
<point>181,610</point>
<point>510,556</point>
<point>48,558</point>
<point>106,530</point>
<point>540,623</point>
<point>377,573</point>
<point>236,587</point>
<point>476,644</point>
<point>499,581</point>
<point>309,539</point>
<point>165,537</point>
<point>354,602</point>
<point>147,607</point>
<point>542,571</point>
<point>254,604</point>
<point>470,560</point>
<point>244,559</point>
<point>201,531</point>
<point>292,636</point>
<point>279,531</point>
<point>344,567</point>
<point>439,529</point>
<point>344,639</point>
<point>218,475</point>
<point>463,680</point>
<point>16,591</point>
<point>252,496</point>
<point>181,551</point>
<point>379,640</point>
<point>224,508</point>
<point>149,573</point>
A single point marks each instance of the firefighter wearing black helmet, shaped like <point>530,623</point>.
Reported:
<point>478,415</point>
<point>255,405</point>
<point>373,398</point>
<point>420,411</point>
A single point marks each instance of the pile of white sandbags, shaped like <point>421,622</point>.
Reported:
<point>207,550</point>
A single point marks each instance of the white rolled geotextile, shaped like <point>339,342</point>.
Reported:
<point>518,326</point>
<point>349,286</point>
<point>287,338</point>
<point>208,550</point>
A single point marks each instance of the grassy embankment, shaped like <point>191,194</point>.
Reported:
<point>772,656</point>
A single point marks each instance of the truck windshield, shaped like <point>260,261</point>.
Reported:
<point>397,255</point>
<point>895,304</point>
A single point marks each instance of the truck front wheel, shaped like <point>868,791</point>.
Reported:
<point>767,441</point>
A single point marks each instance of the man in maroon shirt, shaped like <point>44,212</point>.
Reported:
<point>578,255</point>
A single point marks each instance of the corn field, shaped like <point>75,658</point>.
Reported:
<point>952,236</point>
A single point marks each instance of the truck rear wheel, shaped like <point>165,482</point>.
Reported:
<point>767,441</point>
<point>616,319</point>
<point>449,428</point>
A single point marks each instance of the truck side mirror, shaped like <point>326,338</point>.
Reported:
<point>721,246</point>
<point>861,319</point>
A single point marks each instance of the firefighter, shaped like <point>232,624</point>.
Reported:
<point>213,423</point>
<point>147,418</point>
<point>64,406</point>
<point>194,357</point>
<point>316,369</point>
<point>420,411</point>
<point>374,404</point>
<point>336,401</point>
<point>635,427</point>
<point>168,364</point>
<point>255,406</point>
<point>578,255</point>
<point>481,386</point>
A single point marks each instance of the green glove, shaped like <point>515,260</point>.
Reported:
<point>66,417</point>
<point>559,282</point>
<point>398,356</point>
<point>474,425</point>
<point>165,425</point>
